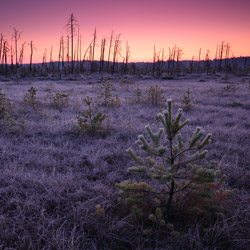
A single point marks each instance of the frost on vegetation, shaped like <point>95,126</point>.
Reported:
<point>7,118</point>
<point>92,121</point>
<point>186,101</point>
<point>59,100</point>
<point>126,81</point>
<point>106,96</point>
<point>179,179</point>
<point>154,96</point>
<point>30,98</point>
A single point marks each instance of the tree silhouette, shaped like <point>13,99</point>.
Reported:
<point>70,26</point>
<point>16,36</point>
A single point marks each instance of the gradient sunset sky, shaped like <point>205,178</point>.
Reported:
<point>189,24</point>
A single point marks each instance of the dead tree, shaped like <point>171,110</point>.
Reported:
<point>178,58</point>
<point>5,56</point>
<point>227,47</point>
<point>44,60</point>
<point>31,53</point>
<point>1,47</point>
<point>169,60</point>
<point>51,64</point>
<point>162,60</point>
<point>81,69</point>
<point>199,61</point>
<point>16,36</point>
<point>12,58</point>
<point>207,62</point>
<point>154,60</point>
<point>216,57</point>
<point>221,50</point>
<point>21,54</point>
<point>116,52</point>
<point>110,46</point>
<point>101,66</point>
<point>72,23</point>
<point>93,52</point>
<point>128,53</point>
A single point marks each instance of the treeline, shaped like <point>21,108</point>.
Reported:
<point>107,57</point>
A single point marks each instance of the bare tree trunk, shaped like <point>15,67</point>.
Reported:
<point>116,51</point>
<point>16,36</point>
<point>221,55</point>
<point>154,58</point>
<point>12,58</point>
<point>93,52</point>
<point>102,55</point>
<point>44,59</point>
<point>199,61</point>
<point>62,55</point>
<point>31,54</point>
<point>72,22</point>
<point>1,47</point>
<point>127,58</point>
<point>110,46</point>
<point>216,57</point>
<point>5,51</point>
<point>51,59</point>
<point>21,54</point>
<point>81,53</point>
<point>173,58</point>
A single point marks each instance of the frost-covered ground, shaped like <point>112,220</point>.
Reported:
<point>51,178</point>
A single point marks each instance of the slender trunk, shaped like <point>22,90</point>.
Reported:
<point>154,56</point>
<point>199,66</point>
<point>1,46</point>
<point>93,52</point>
<point>110,46</point>
<point>127,58</point>
<point>72,44</point>
<point>31,54</point>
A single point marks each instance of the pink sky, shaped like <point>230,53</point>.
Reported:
<point>189,24</point>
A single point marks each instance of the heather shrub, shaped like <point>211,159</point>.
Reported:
<point>177,179</point>
<point>90,121</point>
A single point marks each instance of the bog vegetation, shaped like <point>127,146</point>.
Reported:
<point>72,175</point>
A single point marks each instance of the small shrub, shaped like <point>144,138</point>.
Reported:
<point>126,81</point>
<point>178,183</point>
<point>138,95</point>
<point>108,99</point>
<point>186,101</point>
<point>58,101</point>
<point>49,86</point>
<point>231,87</point>
<point>30,98</point>
<point>90,122</point>
<point>154,95</point>
<point>6,118</point>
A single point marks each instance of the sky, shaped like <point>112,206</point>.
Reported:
<point>188,24</point>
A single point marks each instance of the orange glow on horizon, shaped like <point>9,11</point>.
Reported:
<point>190,25</point>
